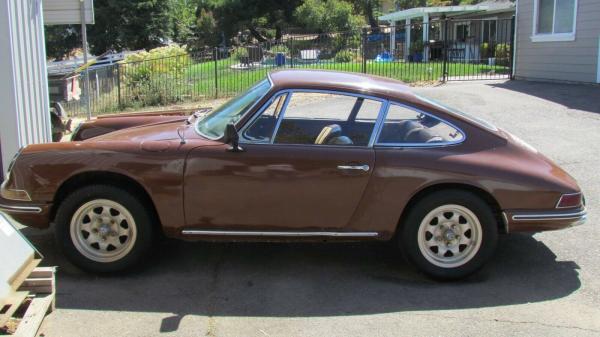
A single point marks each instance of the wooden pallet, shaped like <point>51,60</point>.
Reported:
<point>36,289</point>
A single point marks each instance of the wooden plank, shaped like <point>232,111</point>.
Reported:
<point>24,273</point>
<point>42,272</point>
<point>13,303</point>
<point>30,324</point>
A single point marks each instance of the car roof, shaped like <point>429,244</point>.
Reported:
<point>341,81</point>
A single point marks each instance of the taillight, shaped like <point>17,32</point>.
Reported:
<point>569,200</point>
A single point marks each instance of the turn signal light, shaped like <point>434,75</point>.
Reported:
<point>569,200</point>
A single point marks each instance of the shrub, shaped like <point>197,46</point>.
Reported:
<point>239,53</point>
<point>280,48</point>
<point>502,54</point>
<point>502,51</point>
<point>484,50</point>
<point>345,56</point>
<point>145,73</point>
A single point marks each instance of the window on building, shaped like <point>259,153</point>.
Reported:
<point>554,20</point>
<point>462,31</point>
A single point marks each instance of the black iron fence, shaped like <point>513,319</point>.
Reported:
<point>436,51</point>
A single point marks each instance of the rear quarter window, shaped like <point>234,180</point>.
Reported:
<point>406,126</point>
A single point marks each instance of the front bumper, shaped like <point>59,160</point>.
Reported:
<point>537,221</point>
<point>28,214</point>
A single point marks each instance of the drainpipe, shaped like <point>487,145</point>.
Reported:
<point>426,38</point>
<point>393,40</point>
<point>406,39</point>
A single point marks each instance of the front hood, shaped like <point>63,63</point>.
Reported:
<point>150,132</point>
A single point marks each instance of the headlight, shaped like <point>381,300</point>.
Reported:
<point>13,194</point>
<point>12,162</point>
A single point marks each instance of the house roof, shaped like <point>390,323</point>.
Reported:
<point>486,6</point>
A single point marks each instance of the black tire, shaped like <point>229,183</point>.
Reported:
<point>139,211</point>
<point>409,235</point>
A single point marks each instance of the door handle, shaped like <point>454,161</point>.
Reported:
<point>364,168</point>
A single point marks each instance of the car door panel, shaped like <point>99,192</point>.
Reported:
<point>275,186</point>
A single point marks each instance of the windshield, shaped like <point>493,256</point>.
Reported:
<point>476,120</point>
<point>213,124</point>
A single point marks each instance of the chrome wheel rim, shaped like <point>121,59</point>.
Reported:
<point>450,236</point>
<point>103,230</point>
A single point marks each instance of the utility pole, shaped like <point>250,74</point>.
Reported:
<point>86,85</point>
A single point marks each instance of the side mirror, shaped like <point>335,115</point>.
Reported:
<point>233,138</point>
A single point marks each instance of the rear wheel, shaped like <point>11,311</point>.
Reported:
<point>449,234</point>
<point>103,228</point>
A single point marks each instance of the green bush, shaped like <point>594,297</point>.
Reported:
<point>239,53</point>
<point>502,51</point>
<point>280,48</point>
<point>502,54</point>
<point>144,74</point>
<point>484,50</point>
<point>345,56</point>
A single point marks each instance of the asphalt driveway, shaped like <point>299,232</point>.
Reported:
<point>543,284</point>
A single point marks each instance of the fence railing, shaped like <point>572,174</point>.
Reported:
<point>449,50</point>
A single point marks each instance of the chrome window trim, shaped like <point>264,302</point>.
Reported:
<point>421,145</point>
<point>290,92</point>
<point>279,233</point>
<point>244,114</point>
<point>550,216</point>
<point>20,209</point>
<point>266,105</point>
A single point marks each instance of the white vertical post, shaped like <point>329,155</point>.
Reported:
<point>86,86</point>
<point>598,64</point>
<point>393,39</point>
<point>25,115</point>
<point>426,38</point>
<point>406,39</point>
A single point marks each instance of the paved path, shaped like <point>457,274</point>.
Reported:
<point>546,284</point>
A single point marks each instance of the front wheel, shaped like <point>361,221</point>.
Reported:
<point>449,234</point>
<point>103,228</point>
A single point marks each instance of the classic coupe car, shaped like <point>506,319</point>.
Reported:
<point>302,155</point>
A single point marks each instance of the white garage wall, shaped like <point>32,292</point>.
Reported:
<point>24,106</point>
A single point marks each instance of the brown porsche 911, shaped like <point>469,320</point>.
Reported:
<point>301,155</point>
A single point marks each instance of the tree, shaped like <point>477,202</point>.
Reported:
<point>256,16</point>
<point>182,18</point>
<point>129,24</point>
<point>328,16</point>
<point>61,40</point>
<point>369,8</point>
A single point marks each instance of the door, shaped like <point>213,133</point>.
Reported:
<point>307,159</point>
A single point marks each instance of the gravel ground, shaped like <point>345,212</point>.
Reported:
<point>544,284</point>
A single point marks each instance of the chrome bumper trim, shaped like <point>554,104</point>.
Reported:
<point>581,216</point>
<point>278,233</point>
<point>20,209</point>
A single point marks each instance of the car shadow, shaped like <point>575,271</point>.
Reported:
<point>574,96</point>
<point>306,280</point>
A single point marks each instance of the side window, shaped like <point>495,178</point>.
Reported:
<point>261,129</point>
<point>328,119</point>
<point>403,125</point>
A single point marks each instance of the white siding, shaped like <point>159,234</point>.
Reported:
<point>575,61</point>
<point>24,116</point>
<point>59,12</point>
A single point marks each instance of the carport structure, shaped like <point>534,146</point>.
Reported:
<point>426,16</point>
<point>25,114</point>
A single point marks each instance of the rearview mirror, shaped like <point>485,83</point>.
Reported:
<point>233,138</point>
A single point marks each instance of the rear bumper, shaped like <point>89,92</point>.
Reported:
<point>32,215</point>
<point>536,221</point>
